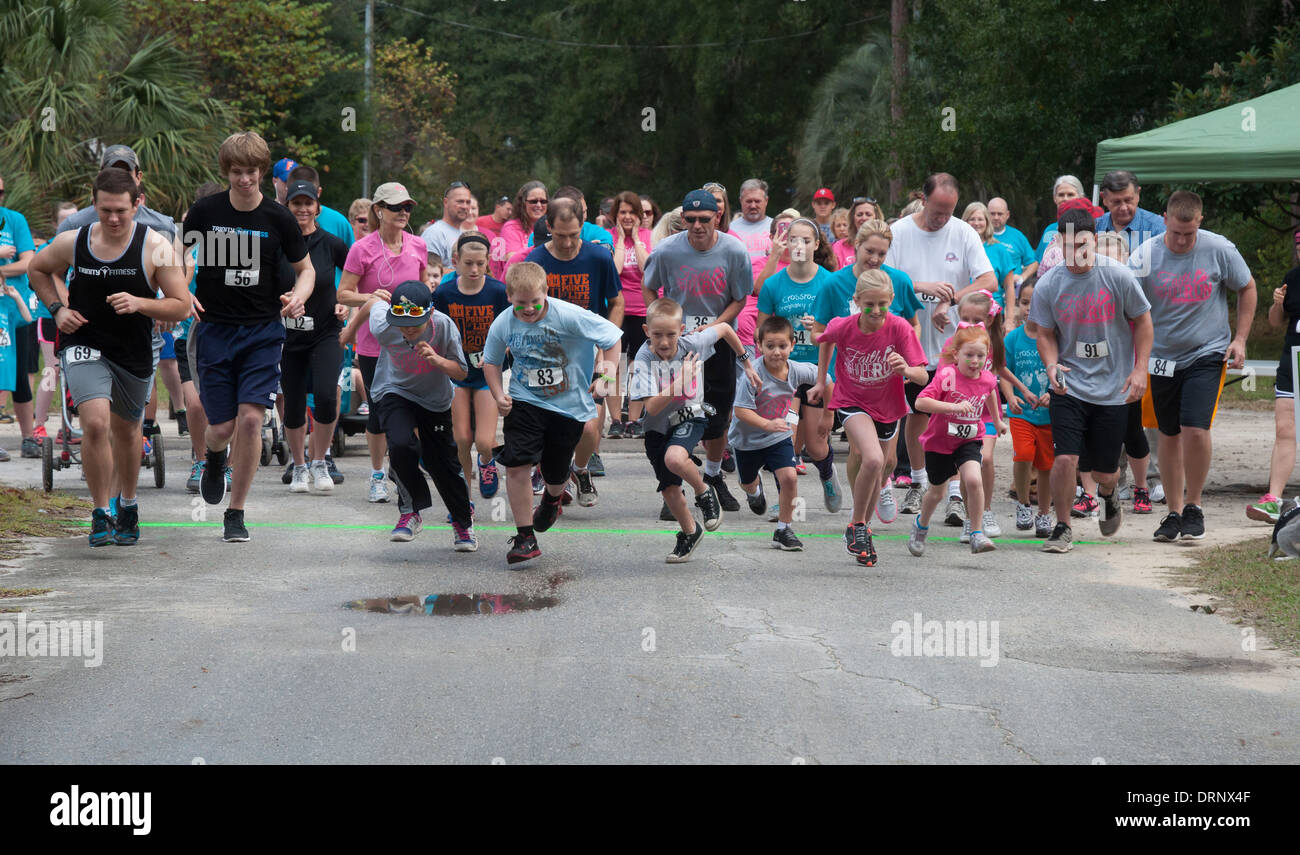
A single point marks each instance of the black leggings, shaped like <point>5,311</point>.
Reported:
<point>24,337</point>
<point>420,436</point>
<point>367,365</point>
<point>319,364</point>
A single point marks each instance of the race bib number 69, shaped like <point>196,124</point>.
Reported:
<point>81,353</point>
<point>543,376</point>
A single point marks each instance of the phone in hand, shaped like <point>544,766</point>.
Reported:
<point>782,229</point>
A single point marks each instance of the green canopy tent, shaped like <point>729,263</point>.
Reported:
<point>1253,141</point>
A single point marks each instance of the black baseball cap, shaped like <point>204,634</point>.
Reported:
<point>301,188</point>
<point>541,232</point>
<point>410,296</point>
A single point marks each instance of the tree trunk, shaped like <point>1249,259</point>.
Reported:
<point>897,22</point>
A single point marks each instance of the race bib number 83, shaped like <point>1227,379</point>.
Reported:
<point>543,376</point>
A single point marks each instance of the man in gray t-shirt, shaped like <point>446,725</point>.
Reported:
<point>1081,315</point>
<point>1186,273</point>
<point>420,354</point>
<point>441,236</point>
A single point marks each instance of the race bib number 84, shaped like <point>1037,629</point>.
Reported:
<point>1160,367</point>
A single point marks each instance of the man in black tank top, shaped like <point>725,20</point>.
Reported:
<point>105,320</point>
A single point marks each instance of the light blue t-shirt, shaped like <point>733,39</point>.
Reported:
<point>15,232</point>
<point>1016,242</point>
<point>835,299</point>
<point>1027,365</point>
<point>782,296</point>
<point>1046,240</point>
<point>336,224</point>
<point>182,330</point>
<point>594,233</point>
<point>555,357</point>
<point>38,308</point>
<point>1003,264</point>
<point>10,319</point>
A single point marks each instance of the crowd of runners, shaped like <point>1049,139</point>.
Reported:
<point>724,344</point>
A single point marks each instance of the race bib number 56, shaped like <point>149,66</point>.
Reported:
<point>543,376</point>
<point>242,278</point>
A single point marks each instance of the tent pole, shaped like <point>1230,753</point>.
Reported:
<point>1096,194</point>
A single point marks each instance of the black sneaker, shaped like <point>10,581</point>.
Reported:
<point>287,477</point>
<point>1193,523</point>
<point>126,527</point>
<point>686,544</point>
<point>856,537</point>
<point>867,557</point>
<point>212,485</point>
<point>615,431</point>
<point>758,501</point>
<point>523,547</point>
<point>725,498</point>
<point>545,514</point>
<point>335,475</point>
<point>666,514</point>
<point>1062,539</point>
<point>101,528</point>
<point>1111,515</point>
<point>710,509</point>
<point>235,531</point>
<point>784,539</point>
<point>1171,527</point>
<point>729,465</point>
<point>182,424</point>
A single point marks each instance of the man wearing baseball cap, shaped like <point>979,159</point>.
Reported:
<point>823,207</point>
<point>490,224</point>
<point>710,277</point>
<point>420,354</point>
<point>123,157</point>
<point>280,176</point>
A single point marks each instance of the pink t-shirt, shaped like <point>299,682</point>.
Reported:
<point>512,239</point>
<point>845,254</point>
<point>632,275</point>
<point>862,374</point>
<point>378,268</point>
<point>952,386</point>
<point>747,320</point>
<point>488,226</point>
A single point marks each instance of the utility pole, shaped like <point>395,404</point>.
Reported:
<point>370,52</point>
<point>898,39</point>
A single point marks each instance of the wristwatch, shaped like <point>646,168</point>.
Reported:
<point>54,307</point>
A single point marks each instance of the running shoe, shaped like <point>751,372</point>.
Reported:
<point>378,489</point>
<point>301,481</point>
<point>725,498</point>
<point>1193,523</point>
<point>901,481</point>
<point>1084,506</point>
<point>1266,509</point>
<point>784,539</point>
<point>488,478</point>
<point>912,501</point>
<point>855,539</point>
<point>728,463</point>
<point>800,467</point>
<point>4,456</point>
<point>1042,525</point>
<point>196,475</point>
<point>634,430</point>
<point>286,477</point>
<point>335,475</point>
<point>545,514</point>
<point>979,542</point>
<point>32,448</point>
<point>955,514</point>
<point>710,508</point>
<point>539,486</point>
<point>39,434</point>
<point>408,526</point>
<point>867,557</point>
<point>463,539</point>
<point>101,528</point>
<point>212,483</point>
<point>321,482</point>
<point>596,466</point>
<point>757,502</point>
<point>182,424</point>
<point>887,505</point>
<point>1061,541</point>
<point>522,548</point>
<point>234,530</point>
<point>831,495</point>
<point>586,490</point>
<point>916,540</point>
<point>450,520</point>
<point>1171,527</point>
<point>1024,517</point>
<point>615,431</point>
<point>230,474</point>
<point>666,514</point>
<point>1158,493</point>
<point>1141,500</point>
<point>363,409</point>
<point>1111,514</point>
<point>991,527</point>
<point>686,544</point>
<point>965,532</point>
<point>126,526</point>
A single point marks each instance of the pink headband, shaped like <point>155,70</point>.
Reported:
<point>963,324</point>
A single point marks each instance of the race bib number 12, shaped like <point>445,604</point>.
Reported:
<point>306,323</point>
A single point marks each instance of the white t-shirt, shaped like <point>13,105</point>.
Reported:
<point>954,254</point>
<point>441,238</point>
<point>757,237</point>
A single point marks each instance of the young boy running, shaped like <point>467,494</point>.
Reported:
<point>667,375</point>
<point>550,398</point>
<point>473,300</point>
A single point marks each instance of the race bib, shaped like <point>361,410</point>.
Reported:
<point>304,324</point>
<point>697,321</point>
<point>80,353</point>
<point>475,360</point>
<point>5,341</point>
<point>926,298</point>
<point>1160,367</point>
<point>242,278</point>
<point>543,376</point>
<point>691,411</point>
<point>1091,349</point>
<point>964,430</point>
<point>801,336</point>
<point>32,302</point>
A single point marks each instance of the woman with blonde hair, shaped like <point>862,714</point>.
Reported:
<point>1004,265</point>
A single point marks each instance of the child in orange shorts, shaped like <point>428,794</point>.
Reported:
<point>1031,425</point>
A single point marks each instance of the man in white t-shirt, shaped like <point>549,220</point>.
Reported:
<point>441,237</point>
<point>946,260</point>
<point>754,226</point>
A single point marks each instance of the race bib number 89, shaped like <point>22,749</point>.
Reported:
<point>242,278</point>
<point>1091,349</point>
<point>543,376</point>
<point>81,353</point>
<point>963,430</point>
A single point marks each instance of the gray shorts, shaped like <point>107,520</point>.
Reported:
<point>99,378</point>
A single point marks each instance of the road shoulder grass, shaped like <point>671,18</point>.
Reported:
<point>1252,589</point>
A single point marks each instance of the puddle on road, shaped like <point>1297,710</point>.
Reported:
<point>464,604</point>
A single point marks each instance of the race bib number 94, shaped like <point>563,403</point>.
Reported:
<point>543,376</point>
<point>1091,349</point>
<point>963,430</point>
<point>80,353</point>
<point>242,278</point>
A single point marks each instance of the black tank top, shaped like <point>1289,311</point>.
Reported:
<point>125,340</point>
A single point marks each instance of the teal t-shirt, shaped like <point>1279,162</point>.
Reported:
<point>1003,264</point>
<point>1025,363</point>
<point>782,296</point>
<point>836,297</point>
<point>15,232</point>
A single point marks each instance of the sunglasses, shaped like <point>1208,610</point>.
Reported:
<point>536,307</point>
<point>408,207</point>
<point>535,201</point>
<point>713,185</point>
<point>363,220</point>
<point>695,220</point>
<point>454,185</point>
<point>404,310</point>
<point>858,200</point>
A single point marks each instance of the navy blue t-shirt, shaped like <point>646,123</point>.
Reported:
<point>590,280</point>
<point>473,314</point>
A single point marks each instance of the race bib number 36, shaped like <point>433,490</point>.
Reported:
<point>1160,367</point>
<point>963,430</point>
<point>697,321</point>
<point>1091,349</point>
<point>543,376</point>
<point>242,278</point>
<point>81,353</point>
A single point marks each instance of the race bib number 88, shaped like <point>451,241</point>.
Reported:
<point>543,376</point>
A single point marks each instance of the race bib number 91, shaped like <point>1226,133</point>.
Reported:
<point>242,278</point>
<point>81,353</point>
<point>1091,349</point>
<point>543,376</point>
<point>963,430</point>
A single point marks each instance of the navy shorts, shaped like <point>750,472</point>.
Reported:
<point>777,456</point>
<point>687,435</point>
<point>237,365</point>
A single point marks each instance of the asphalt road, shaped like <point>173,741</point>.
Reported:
<point>244,653</point>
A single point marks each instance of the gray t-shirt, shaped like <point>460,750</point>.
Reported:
<point>151,218</point>
<point>771,401</point>
<point>402,371</point>
<point>649,373</point>
<point>1189,306</point>
<point>704,283</point>
<point>1090,313</point>
<point>441,239</point>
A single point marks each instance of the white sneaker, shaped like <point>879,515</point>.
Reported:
<point>991,527</point>
<point>965,532</point>
<point>321,482</point>
<point>886,505</point>
<point>1125,493</point>
<point>378,489</point>
<point>1158,493</point>
<point>299,484</point>
<point>1024,517</point>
